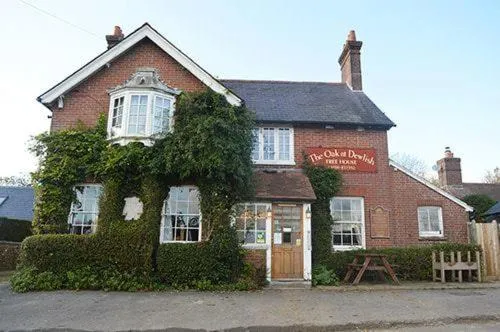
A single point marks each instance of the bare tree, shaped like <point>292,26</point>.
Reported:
<point>412,163</point>
<point>16,181</point>
<point>493,176</point>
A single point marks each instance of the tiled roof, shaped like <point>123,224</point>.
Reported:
<point>308,102</point>
<point>18,203</point>
<point>290,185</point>
<point>489,189</point>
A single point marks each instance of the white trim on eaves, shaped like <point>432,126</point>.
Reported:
<point>430,185</point>
<point>105,58</point>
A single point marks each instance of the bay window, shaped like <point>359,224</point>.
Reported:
<point>273,145</point>
<point>181,216</point>
<point>85,210</point>
<point>348,229</point>
<point>141,109</point>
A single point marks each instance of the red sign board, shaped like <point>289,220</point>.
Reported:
<point>343,159</point>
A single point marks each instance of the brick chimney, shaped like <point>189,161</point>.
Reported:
<point>350,62</point>
<point>449,170</point>
<point>115,38</point>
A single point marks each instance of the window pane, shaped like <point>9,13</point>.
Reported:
<point>85,210</point>
<point>284,144</point>
<point>256,145</point>
<point>251,222</point>
<point>137,114</point>
<point>182,208</point>
<point>269,149</point>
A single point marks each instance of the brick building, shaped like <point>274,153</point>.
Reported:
<point>450,179</point>
<point>136,80</point>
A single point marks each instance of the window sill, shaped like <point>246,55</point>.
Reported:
<point>255,246</point>
<point>433,238</point>
<point>274,162</point>
<point>124,140</point>
<point>347,248</point>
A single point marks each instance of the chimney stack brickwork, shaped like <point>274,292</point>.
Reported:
<point>115,38</point>
<point>450,170</point>
<point>350,62</point>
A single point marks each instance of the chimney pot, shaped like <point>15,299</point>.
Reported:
<point>447,152</point>
<point>115,38</point>
<point>350,62</point>
<point>351,36</point>
<point>118,31</point>
<point>449,169</point>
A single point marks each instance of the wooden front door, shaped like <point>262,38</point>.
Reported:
<point>287,239</point>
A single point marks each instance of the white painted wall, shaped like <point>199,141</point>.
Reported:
<point>307,243</point>
<point>133,208</point>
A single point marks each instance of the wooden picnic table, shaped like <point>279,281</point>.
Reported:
<point>372,262</point>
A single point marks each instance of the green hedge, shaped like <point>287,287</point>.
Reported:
<point>14,230</point>
<point>413,263</point>
<point>218,261</point>
<point>125,249</point>
<point>9,251</point>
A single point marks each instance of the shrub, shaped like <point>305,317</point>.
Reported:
<point>480,203</point>
<point>413,263</point>
<point>30,279</point>
<point>9,252</point>
<point>321,275</point>
<point>125,249</point>
<point>218,261</point>
<point>14,230</point>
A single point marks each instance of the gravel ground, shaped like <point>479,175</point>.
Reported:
<point>268,310</point>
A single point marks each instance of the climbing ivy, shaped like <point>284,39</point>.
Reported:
<point>67,157</point>
<point>326,183</point>
<point>210,147</point>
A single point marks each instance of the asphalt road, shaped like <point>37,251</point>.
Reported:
<point>268,310</point>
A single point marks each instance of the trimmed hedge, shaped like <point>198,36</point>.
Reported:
<point>9,251</point>
<point>413,263</point>
<point>124,249</point>
<point>14,230</point>
<point>218,261</point>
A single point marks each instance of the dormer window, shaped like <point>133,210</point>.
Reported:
<point>141,109</point>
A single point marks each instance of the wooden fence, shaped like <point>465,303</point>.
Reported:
<point>487,235</point>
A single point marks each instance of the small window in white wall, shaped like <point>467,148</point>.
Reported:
<point>273,145</point>
<point>250,221</point>
<point>430,221</point>
<point>83,215</point>
<point>348,229</point>
<point>181,217</point>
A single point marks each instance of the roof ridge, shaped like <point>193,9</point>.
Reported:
<point>278,81</point>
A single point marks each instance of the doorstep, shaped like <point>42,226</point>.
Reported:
<point>289,284</point>
<point>410,286</point>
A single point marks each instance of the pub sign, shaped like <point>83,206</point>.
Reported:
<point>343,159</point>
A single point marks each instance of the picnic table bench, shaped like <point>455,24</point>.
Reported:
<point>371,262</point>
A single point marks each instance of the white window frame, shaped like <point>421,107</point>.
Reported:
<point>164,217</point>
<point>362,223</point>
<point>73,209</point>
<point>267,234</point>
<point>276,160</point>
<point>121,134</point>
<point>420,210</point>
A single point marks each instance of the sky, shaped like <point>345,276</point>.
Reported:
<point>431,66</point>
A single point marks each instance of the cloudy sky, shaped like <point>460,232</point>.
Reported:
<point>431,66</point>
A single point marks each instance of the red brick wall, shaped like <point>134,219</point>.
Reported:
<point>86,101</point>
<point>257,257</point>
<point>409,194</point>
<point>394,191</point>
